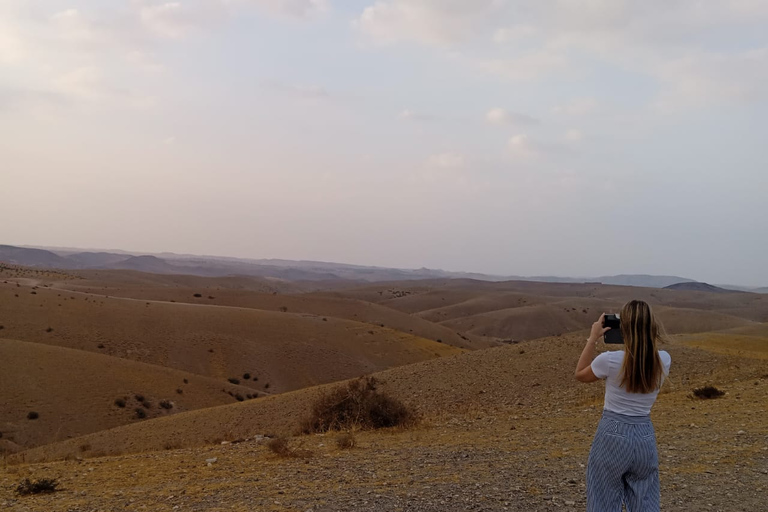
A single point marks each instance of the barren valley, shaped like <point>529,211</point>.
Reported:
<point>237,361</point>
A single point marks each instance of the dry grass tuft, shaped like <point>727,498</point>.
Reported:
<point>346,441</point>
<point>708,392</point>
<point>358,406</point>
<point>280,447</point>
<point>42,486</point>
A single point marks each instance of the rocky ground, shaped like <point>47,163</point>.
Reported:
<point>713,453</point>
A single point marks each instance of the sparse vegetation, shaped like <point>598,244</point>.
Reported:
<point>139,398</point>
<point>283,309</point>
<point>32,415</point>
<point>140,413</point>
<point>239,397</point>
<point>708,392</point>
<point>346,441</point>
<point>120,402</point>
<point>50,329</point>
<point>279,446</point>
<point>234,380</point>
<point>198,295</point>
<point>246,376</point>
<point>358,405</point>
<point>179,391</point>
<point>166,404</point>
<point>41,486</point>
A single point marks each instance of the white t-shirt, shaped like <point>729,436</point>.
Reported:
<point>608,366</point>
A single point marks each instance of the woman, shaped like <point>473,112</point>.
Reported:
<point>623,463</point>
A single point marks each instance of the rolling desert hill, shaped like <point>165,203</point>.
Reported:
<point>700,287</point>
<point>521,310</point>
<point>76,392</point>
<point>285,351</point>
<point>502,428</point>
<point>530,378</point>
<point>254,293</point>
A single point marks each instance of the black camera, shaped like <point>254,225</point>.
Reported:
<point>614,335</point>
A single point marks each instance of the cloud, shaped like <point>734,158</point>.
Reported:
<point>577,107</point>
<point>447,161</point>
<point>306,91</point>
<point>410,115</point>
<point>701,79</point>
<point>527,67</point>
<point>501,116</point>
<point>433,22</point>
<point>667,42</point>
<point>514,33</point>
<point>302,9</point>
<point>520,146</point>
<point>574,135</point>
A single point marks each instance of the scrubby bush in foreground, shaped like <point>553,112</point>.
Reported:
<point>346,441</point>
<point>358,405</point>
<point>41,486</point>
<point>279,446</point>
<point>708,392</point>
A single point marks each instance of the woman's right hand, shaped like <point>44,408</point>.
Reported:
<point>598,328</point>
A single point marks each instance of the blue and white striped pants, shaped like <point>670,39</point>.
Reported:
<point>623,465</point>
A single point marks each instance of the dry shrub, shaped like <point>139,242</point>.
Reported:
<point>279,446</point>
<point>357,406</point>
<point>346,441</point>
<point>41,486</point>
<point>708,392</point>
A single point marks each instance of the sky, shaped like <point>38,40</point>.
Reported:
<point>547,137</point>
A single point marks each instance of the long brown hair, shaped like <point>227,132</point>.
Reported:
<point>642,371</point>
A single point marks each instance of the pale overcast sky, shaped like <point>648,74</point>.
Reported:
<point>562,137</point>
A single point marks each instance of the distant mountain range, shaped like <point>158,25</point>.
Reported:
<point>213,266</point>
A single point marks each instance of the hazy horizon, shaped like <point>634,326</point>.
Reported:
<point>65,249</point>
<point>501,137</point>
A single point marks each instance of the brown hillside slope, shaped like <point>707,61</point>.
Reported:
<point>284,351</point>
<point>530,379</point>
<point>74,392</point>
<point>528,310</point>
<point>711,452</point>
<point>258,294</point>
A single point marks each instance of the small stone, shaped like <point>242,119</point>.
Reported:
<point>212,460</point>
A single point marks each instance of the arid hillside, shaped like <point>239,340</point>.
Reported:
<point>253,293</point>
<point>281,350</point>
<point>503,429</point>
<point>530,376</point>
<point>52,393</point>
<point>521,310</point>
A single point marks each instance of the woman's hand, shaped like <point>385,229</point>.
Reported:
<point>598,329</point>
